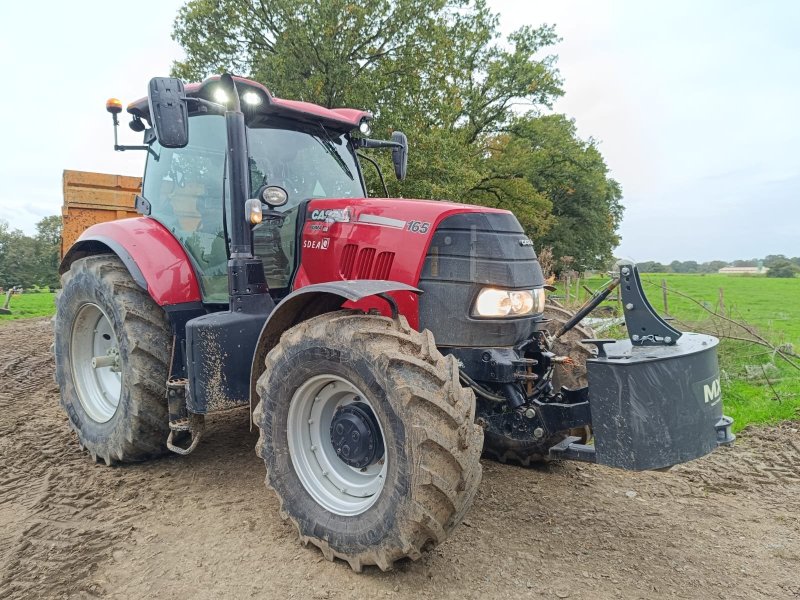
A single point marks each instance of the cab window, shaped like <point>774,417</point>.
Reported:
<point>185,189</point>
<point>309,162</point>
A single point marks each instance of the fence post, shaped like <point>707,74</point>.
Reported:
<point>664,295</point>
<point>721,301</point>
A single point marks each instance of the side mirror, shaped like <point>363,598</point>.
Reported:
<point>400,154</point>
<point>168,111</point>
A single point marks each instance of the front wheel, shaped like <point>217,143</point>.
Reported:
<point>112,344</point>
<point>368,437</point>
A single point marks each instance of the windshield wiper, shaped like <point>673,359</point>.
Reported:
<point>327,143</point>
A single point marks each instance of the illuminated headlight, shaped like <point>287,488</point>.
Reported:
<point>364,127</point>
<point>493,302</point>
<point>220,96</point>
<point>251,98</point>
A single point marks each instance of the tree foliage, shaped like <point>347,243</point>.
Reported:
<point>27,261</point>
<point>469,100</point>
<point>782,267</point>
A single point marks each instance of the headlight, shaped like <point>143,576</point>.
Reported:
<point>251,98</point>
<point>493,302</point>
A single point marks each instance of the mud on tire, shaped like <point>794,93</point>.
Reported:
<point>432,446</point>
<point>139,427</point>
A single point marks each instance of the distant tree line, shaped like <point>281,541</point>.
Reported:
<point>778,264</point>
<point>29,261</point>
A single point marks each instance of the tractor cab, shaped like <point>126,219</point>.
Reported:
<point>301,148</point>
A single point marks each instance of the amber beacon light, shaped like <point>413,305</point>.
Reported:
<point>114,106</point>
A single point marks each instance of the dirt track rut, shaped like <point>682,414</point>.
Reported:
<point>204,526</point>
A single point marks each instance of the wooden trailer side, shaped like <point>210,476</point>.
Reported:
<point>91,198</point>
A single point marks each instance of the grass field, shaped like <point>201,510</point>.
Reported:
<point>770,306</point>
<point>25,306</point>
<point>751,395</point>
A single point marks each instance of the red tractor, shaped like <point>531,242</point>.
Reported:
<point>381,343</point>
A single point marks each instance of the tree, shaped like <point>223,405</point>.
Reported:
<point>17,258</point>
<point>650,266</point>
<point>27,261</point>
<point>753,262</point>
<point>572,176</point>
<point>782,268</point>
<point>48,230</point>
<point>48,250</point>
<point>712,266</point>
<point>438,70</point>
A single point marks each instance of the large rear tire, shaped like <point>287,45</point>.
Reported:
<point>420,441</point>
<point>119,410</point>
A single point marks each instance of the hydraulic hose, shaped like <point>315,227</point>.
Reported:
<point>480,390</point>
<point>588,307</point>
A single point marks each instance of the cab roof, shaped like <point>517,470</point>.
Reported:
<point>337,118</point>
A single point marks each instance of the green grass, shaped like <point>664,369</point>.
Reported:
<point>26,306</point>
<point>770,306</point>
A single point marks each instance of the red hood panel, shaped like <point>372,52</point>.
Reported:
<point>372,238</point>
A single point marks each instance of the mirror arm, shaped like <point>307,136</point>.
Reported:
<point>370,143</point>
<point>378,169</point>
<point>122,148</point>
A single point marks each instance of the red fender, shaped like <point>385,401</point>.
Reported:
<point>154,257</point>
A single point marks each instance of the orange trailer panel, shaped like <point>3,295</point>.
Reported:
<point>91,198</point>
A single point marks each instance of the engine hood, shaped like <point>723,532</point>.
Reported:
<point>380,238</point>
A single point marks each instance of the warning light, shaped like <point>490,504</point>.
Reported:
<point>114,106</point>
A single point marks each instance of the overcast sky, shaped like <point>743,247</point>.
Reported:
<point>696,106</point>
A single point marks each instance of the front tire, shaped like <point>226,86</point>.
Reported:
<point>118,410</point>
<point>410,496</point>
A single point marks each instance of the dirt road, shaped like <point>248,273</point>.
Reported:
<point>204,526</point>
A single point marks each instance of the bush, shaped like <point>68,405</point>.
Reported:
<point>783,269</point>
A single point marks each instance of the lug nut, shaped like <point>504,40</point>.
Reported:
<point>538,433</point>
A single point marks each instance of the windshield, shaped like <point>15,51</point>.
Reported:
<point>186,188</point>
<point>308,162</point>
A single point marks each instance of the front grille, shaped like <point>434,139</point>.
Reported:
<point>383,265</point>
<point>365,258</point>
<point>348,261</point>
<point>364,264</point>
<point>470,251</point>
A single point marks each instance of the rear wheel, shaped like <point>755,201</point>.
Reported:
<point>368,437</point>
<point>112,349</point>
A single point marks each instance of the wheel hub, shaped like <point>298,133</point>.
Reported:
<point>96,363</point>
<point>324,414</point>
<point>355,436</point>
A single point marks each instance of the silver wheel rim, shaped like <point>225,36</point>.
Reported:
<point>95,363</point>
<point>338,487</point>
